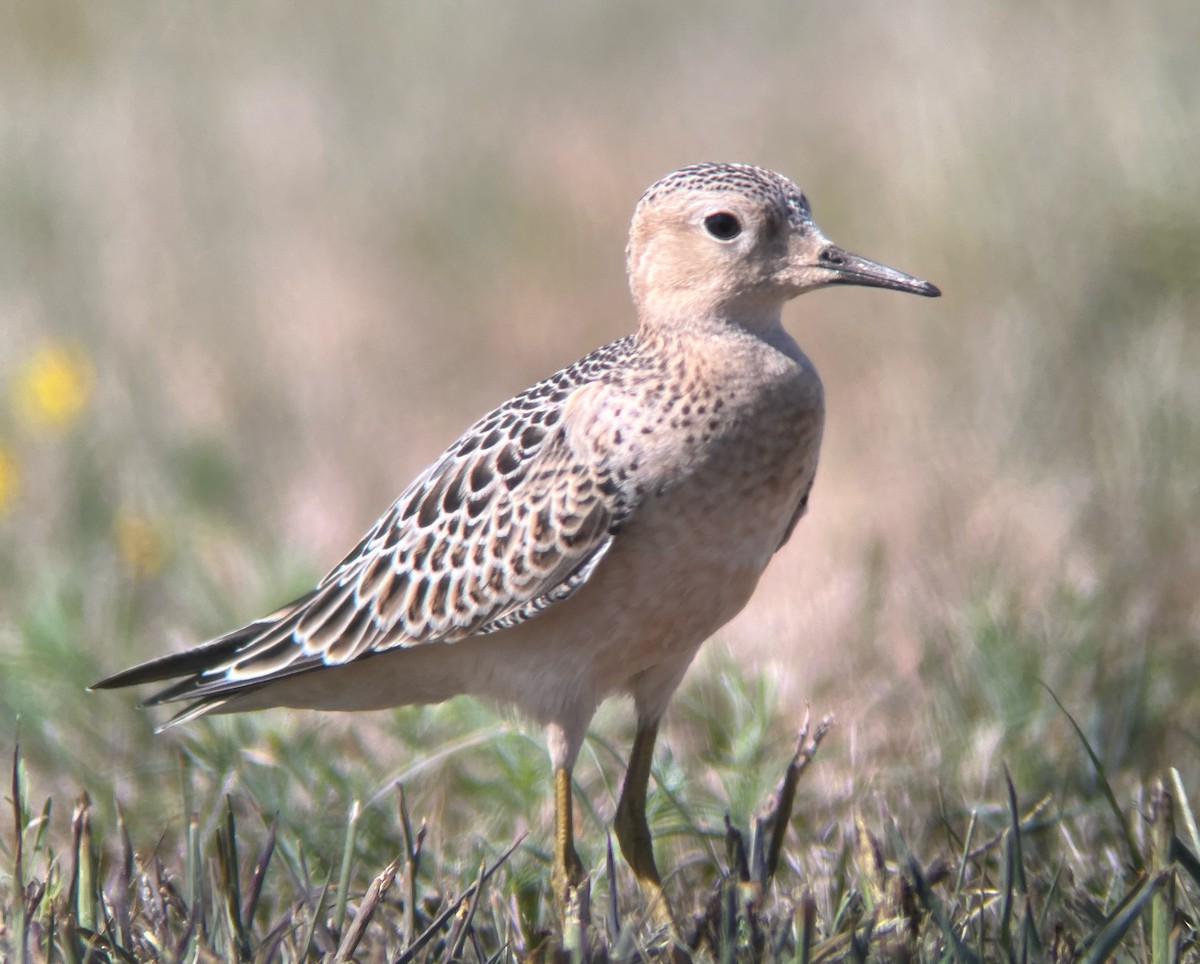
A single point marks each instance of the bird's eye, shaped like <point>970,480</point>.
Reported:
<point>723,226</point>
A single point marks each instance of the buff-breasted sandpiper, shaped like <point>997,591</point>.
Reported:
<point>583,539</point>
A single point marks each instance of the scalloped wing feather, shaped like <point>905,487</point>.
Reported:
<point>513,518</point>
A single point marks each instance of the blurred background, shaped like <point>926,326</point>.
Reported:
<point>261,262</point>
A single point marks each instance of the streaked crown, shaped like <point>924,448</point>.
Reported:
<point>757,183</point>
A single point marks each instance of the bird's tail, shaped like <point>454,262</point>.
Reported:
<point>198,672</point>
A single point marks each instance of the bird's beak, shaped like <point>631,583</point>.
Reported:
<point>845,268</point>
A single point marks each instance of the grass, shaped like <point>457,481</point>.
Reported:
<point>226,874</point>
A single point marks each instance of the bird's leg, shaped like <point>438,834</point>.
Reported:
<point>633,833</point>
<point>568,873</point>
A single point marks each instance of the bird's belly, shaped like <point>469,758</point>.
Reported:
<point>692,567</point>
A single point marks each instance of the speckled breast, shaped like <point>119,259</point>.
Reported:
<point>721,464</point>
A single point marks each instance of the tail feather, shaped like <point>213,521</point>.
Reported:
<point>197,709</point>
<point>194,663</point>
<point>221,687</point>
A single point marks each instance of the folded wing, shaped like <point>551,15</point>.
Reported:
<point>513,518</point>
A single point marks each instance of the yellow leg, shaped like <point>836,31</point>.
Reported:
<point>630,825</point>
<point>568,873</point>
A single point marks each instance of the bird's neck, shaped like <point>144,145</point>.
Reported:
<point>761,319</point>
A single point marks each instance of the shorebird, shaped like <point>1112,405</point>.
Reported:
<point>585,538</point>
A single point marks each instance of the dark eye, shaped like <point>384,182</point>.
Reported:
<point>723,226</point>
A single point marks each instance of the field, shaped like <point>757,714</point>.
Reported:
<point>260,262</point>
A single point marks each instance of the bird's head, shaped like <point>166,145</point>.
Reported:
<point>735,241</point>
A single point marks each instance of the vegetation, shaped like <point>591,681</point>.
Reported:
<point>233,877</point>
<point>260,262</point>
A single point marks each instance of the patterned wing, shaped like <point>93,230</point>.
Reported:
<point>513,518</point>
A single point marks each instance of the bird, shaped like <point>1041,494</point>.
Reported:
<point>582,540</point>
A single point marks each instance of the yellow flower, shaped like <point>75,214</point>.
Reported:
<point>9,480</point>
<point>53,387</point>
<point>141,544</point>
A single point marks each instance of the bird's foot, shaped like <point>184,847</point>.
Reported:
<point>634,836</point>
<point>573,897</point>
<point>659,916</point>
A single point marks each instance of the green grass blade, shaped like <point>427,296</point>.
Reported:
<point>1162,904</point>
<point>18,884</point>
<point>1030,941</point>
<point>1135,855</point>
<point>18,809</point>
<point>314,921</point>
<point>1007,886</point>
<point>192,865</point>
<point>612,915</point>
<point>1104,942</point>
<point>43,826</point>
<point>83,879</point>
<point>343,887</point>
<point>1014,830</point>
<point>1186,860</point>
<point>259,875</point>
<point>1185,810</point>
<point>966,855</point>
<point>228,884</point>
